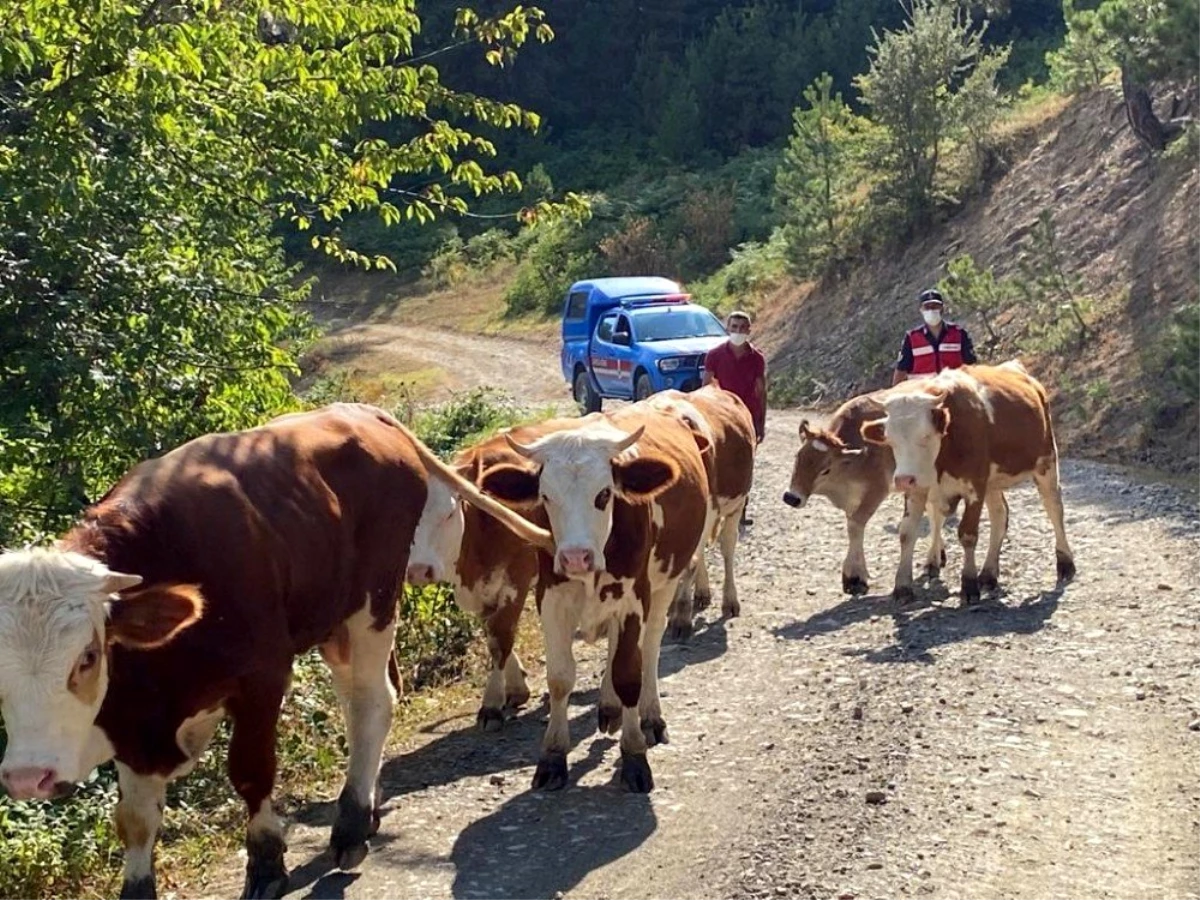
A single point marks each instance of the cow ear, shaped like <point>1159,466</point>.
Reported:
<point>469,470</point>
<point>514,485</point>
<point>154,615</point>
<point>643,478</point>
<point>873,431</point>
<point>941,419</point>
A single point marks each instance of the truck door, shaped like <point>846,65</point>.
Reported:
<point>603,359</point>
<point>622,352</point>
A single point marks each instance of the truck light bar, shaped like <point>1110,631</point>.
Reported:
<point>655,299</point>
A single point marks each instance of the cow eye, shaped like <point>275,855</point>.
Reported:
<point>825,471</point>
<point>87,660</point>
<point>603,497</point>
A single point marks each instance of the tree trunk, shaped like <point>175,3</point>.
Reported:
<point>1140,113</point>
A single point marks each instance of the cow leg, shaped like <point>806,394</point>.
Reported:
<point>713,522</point>
<point>627,682</point>
<point>968,536</point>
<point>609,710</point>
<point>139,813</point>
<point>682,610</point>
<point>653,726</point>
<point>252,763</point>
<point>560,617</point>
<point>1046,479</point>
<point>730,607</point>
<point>937,545</point>
<point>855,576</point>
<point>500,626</point>
<point>914,508</point>
<point>997,507</point>
<point>371,702</point>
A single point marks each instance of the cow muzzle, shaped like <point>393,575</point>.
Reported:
<point>905,483</point>
<point>796,501</point>
<point>419,574</point>
<point>31,783</point>
<point>576,561</point>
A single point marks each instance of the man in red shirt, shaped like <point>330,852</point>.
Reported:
<point>740,368</point>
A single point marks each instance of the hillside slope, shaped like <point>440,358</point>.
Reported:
<point>1127,226</point>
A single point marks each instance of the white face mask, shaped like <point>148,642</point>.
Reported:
<point>737,339</point>
<point>931,316</point>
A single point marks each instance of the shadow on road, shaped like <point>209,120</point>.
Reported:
<point>925,623</point>
<point>587,827</point>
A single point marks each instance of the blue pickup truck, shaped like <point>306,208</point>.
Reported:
<point>627,338</point>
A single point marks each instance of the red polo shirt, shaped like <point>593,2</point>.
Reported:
<point>738,374</point>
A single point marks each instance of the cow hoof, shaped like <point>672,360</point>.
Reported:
<point>731,610</point>
<point>352,857</point>
<point>854,586</point>
<point>903,593</point>
<point>354,824</point>
<point>139,889</point>
<point>516,699</point>
<point>266,876</point>
<point>635,773</point>
<point>265,889</point>
<point>988,581</point>
<point>608,719</point>
<point>551,774</point>
<point>655,731</point>
<point>970,590</point>
<point>701,600</point>
<point>1066,568</point>
<point>932,572</point>
<point>489,719</point>
<point>678,632</point>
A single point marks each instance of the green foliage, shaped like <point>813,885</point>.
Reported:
<point>1153,38</point>
<point>1181,354</point>
<point>818,176</point>
<point>795,386</point>
<point>1057,308</point>
<point>930,84</point>
<point>148,153</point>
<point>977,291</point>
<point>1086,54</point>
<point>558,254</point>
<point>755,268</point>
<point>466,419</point>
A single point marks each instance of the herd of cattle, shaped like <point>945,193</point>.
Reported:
<point>183,595</point>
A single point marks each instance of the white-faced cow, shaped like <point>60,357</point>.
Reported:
<point>725,422</point>
<point>855,475</point>
<point>970,434</point>
<point>626,497</point>
<point>490,567</point>
<point>183,595</point>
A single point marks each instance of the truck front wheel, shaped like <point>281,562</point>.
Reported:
<point>585,395</point>
<point>643,387</point>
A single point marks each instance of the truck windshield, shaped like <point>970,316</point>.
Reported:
<point>673,324</point>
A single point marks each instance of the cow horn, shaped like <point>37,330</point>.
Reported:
<point>517,446</point>
<point>630,439</point>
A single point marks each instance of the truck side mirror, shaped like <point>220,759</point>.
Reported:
<point>622,338</point>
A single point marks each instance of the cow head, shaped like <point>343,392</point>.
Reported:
<point>913,425</point>
<point>819,462</point>
<point>439,535</point>
<point>575,476</point>
<point>59,614</point>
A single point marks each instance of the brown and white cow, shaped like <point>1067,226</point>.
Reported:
<point>970,434</point>
<point>728,427</point>
<point>183,595</point>
<point>490,567</point>
<point>626,496</point>
<point>835,462</point>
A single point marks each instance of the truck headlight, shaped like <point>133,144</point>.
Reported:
<point>670,364</point>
